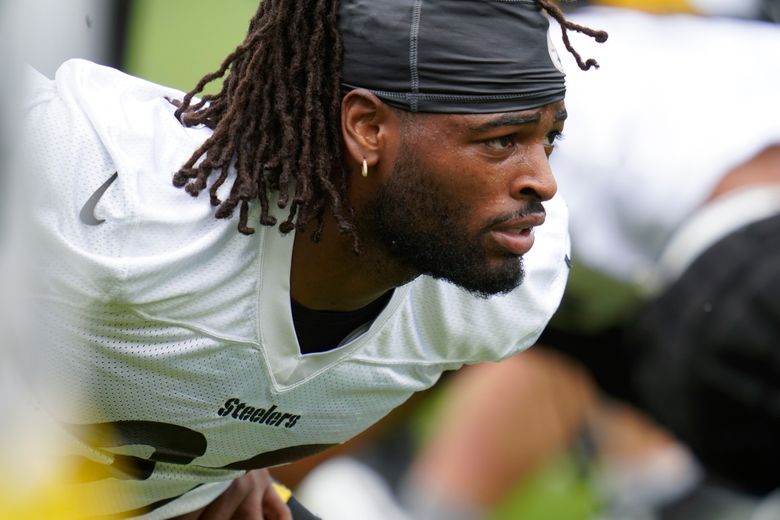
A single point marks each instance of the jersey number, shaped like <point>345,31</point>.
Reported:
<point>172,443</point>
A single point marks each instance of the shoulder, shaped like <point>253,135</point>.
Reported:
<point>107,143</point>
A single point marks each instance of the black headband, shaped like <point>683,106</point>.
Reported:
<point>451,56</point>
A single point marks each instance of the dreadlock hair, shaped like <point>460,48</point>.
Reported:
<point>566,25</point>
<point>277,118</point>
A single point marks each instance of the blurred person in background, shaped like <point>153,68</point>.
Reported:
<point>767,10</point>
<point>671,168</point>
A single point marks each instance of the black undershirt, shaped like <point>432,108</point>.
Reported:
<point>320,331</point>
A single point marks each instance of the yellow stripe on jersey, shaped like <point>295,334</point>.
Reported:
<point>283,491</point>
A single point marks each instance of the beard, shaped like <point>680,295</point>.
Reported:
<point>413,222</point>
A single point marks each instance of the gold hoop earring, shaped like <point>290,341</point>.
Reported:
<point>365,168</point>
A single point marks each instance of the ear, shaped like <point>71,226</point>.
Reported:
<point>369,127</point>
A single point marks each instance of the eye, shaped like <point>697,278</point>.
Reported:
<point>501,143</point>
<point>553,136</point>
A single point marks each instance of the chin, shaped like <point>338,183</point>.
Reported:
<point>485,283</point>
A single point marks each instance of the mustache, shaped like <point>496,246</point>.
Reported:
<point>533,207</point>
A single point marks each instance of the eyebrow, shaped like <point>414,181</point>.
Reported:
<point>516,120</point>
<point>509,120</point>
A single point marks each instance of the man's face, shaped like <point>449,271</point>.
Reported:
<point>464,195</point>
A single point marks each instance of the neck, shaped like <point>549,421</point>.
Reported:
<point>328,275</point>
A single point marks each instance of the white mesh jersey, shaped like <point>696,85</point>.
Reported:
<point>176,330</point>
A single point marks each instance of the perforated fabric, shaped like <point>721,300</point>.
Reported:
<point>174,328</point>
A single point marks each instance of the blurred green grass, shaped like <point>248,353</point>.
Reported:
<point>176,42</point>
<point>556,492</point>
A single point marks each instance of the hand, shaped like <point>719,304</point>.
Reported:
<point>250,497</point>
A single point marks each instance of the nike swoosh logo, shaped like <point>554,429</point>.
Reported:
<point>87,214</point>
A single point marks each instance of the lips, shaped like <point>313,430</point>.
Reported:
<point>516,236</point>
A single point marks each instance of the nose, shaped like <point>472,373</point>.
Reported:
<point>534,178</point>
